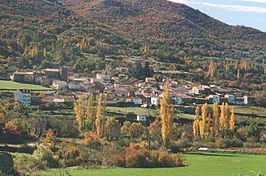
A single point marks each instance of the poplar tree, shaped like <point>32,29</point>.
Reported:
<point>196,122</point>
<point>232,119</point>
<point>80,112</point>
<point>201,128</point>
<point>222,116</point>
<point>208,127</point>
<point>34,52</point>
<point>99,116</point>
<point>238,74</point>
<point>204,114</point>
<point>90,113</point>
<point>44,52</point>
<point>215,109</point>
<point>212,72</point>
<point>227,115</point>
<point>166,113</point>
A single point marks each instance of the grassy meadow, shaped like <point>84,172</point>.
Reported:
<point>10,85</point>
<point>198,164</point>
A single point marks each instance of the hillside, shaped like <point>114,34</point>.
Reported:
<point>165,25</point>
<point>44,32</point>
<point>88,34</point>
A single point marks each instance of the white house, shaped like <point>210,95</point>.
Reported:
<point>141,118</point>
<point>93,80</point>
<point>150,79</point>
<point>103,77</point>
<point>75,85</point>
<point>23,96</point>
<point>230,98</point>
<point>202,89</point>
<point>245,100</point>
<point>59,85</point>
<point>215,98</point>
<point>177,100</point>
<point>155,101</point>
<point>137,101</point>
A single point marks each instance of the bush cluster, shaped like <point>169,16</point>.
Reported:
<point>143,158</point>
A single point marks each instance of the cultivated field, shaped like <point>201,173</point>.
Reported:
<point>199,164</point>
<point>10,85</point>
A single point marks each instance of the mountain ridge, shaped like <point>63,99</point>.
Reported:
<point>172,24</point>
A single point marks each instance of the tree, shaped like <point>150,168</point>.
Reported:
<point>44,52</point>
<point>90,112</point>
<point>222,116</point>
<point>253,130</point>
<point>34,52</point>
<point>215,109</point>
<point>166,113</point>
<point>238,74</point>
<point>155,132</point>
<point>212,72</point>
<point>99,122</point>
<point>147,70</point>
<point>45,64</point>
<point>232,120</point>
<point>196,122</point>
<point>227,116</point>
<point>111,129</point>
<point>138,71</point>
<point>208,127</point>
<point>204,114</point>
<point>201,128</point>
<point>50,137</point>
<point>125,129</point>
<point>136,130</point>
<point>146,49</point>
<point>3,118</point>
<point>80,112</point>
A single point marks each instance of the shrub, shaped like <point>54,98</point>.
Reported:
<point>211,145</point>
<point>16,126</point>
<point>263,137</point>
<point>135,158</point>
<point>91,139</point>
<point>69,155</point>
<point>181,145</point>
<point>118,160</point>
<point>254,145</point>
<point>241,133</point>
<point>28,164</point>
<point>142,158</point>
<point>253,131</point>
<point>50,137</point>
<point>198,144</point>
<point>221,143</point>
<point>44,154</point>
<point>236,143</point>
<point>226,143</point>
<point>169,160</point>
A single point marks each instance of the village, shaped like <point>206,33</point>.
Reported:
<point>64,89</point>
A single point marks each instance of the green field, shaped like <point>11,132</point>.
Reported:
<point>135,110</point>
<point>250,110</point>
<point>10,85</point>
<point>199,164</point>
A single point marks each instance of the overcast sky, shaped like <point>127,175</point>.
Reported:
<point>251,13</point>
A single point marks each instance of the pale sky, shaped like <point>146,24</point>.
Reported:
<point>250,13</point>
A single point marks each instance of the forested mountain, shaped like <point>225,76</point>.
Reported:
<point>45,32</point>
<point>84,33</point>
<point>166,24</point>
